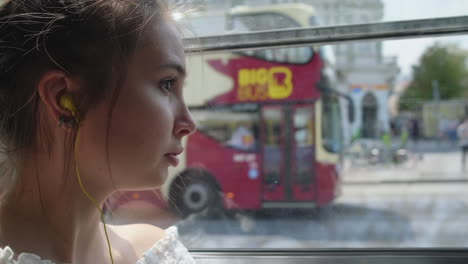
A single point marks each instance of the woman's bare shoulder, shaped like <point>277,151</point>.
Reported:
<point>141,236</point>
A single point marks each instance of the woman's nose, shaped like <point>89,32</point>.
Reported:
<point>185,125</point>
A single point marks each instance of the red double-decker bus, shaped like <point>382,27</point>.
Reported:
<point>269,123</point>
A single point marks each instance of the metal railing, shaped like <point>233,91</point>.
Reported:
<point>328,35</point>
<point>332,256</point>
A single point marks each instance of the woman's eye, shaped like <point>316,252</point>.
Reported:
<point>167,84</point>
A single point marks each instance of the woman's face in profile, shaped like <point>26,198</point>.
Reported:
<point>148,121</point>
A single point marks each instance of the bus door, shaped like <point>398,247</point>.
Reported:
<point>288,154</point>
<point>303,152</point>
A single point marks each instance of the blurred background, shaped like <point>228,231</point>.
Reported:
<point>356,144</point>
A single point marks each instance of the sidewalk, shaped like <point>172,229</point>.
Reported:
<point>434,167</point>
<point>432,146</point>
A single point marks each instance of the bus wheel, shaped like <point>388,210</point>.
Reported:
<point>191,195</point>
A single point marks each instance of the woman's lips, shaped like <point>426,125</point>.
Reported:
<point>173,160</point>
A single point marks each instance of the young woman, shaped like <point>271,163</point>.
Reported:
<point>90,102</point>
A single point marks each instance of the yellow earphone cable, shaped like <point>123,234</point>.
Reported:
<point>77,170</point>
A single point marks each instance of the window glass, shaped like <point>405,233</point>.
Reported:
<point>270,21</point>
<point>331,124</point>
<point>273,149</point>
<point>262,22</point>
<point>374,158</point>
<point>304,127</point>
<point>338,12</point>
<point>304,145</point>
<point>234,129</point>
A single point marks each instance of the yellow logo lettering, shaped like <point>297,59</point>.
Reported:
<point>263,84</point>
<point>280,90</point>
<point>243,77</point>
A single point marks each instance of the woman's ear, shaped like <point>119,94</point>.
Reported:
<point>51,87</point>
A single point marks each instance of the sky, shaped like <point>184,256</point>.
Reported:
<point>410,50</point>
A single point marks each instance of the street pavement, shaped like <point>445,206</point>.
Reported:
<point>386,215</point>
<point>421,167</point>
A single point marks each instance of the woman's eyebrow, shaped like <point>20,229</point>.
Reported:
<point>179,68</point>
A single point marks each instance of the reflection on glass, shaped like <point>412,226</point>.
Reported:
<point>297,173</point>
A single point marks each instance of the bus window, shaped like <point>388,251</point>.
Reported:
<point>269,21</point>
<point>304,145</point>
<point>242,136</point>
<point>272,149</point>
<point>331,124</point>
<point>304,127</point>
<point>266,21</point>
<point>234,129</point>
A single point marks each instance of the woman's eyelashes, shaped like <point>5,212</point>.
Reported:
<point>168,85</point>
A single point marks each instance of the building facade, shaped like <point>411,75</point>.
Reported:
<point>369,76</point>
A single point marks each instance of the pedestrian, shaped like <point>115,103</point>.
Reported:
<point>453,132</point>
<point>91,103</point>
<point>414,133</point>
<point>462,133</point>
<point>415,129</point>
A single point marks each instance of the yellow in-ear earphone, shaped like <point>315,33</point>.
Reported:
<point>67,102</point>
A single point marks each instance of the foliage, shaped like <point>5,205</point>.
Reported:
<point>445,64</point>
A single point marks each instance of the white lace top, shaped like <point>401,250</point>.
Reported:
<point>168,250</point>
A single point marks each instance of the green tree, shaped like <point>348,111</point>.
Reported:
<point>445,64</point>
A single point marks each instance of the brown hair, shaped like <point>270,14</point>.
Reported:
<point>87,39</point>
